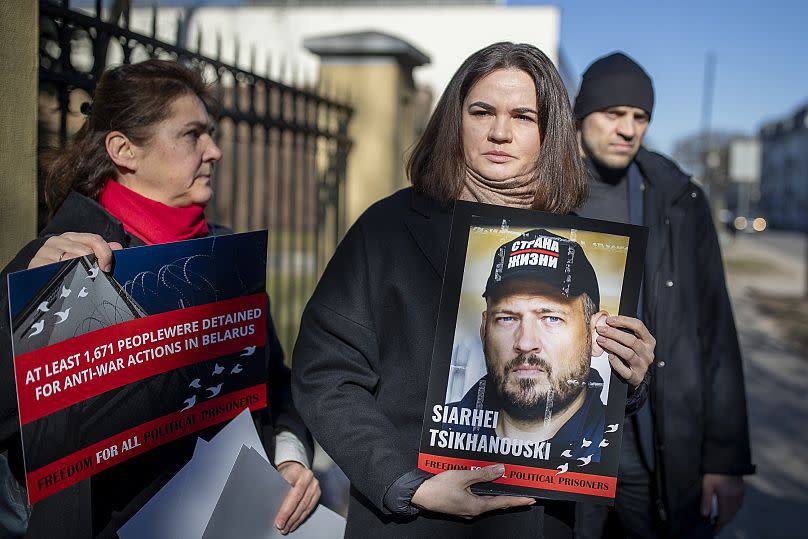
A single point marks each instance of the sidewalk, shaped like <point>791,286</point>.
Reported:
<point>766,276</point>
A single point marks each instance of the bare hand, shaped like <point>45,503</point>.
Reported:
<point>449,492</point>
<point>630,353</point>
<point>301,500</point>
<point>729,492</point>
<point>74,244</point>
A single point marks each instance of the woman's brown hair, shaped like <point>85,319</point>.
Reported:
<point>130,98</point>
<point>436,166</point>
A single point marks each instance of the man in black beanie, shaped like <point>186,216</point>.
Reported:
<point>685,452</point>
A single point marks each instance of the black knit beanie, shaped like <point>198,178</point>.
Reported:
<point>613,81</point>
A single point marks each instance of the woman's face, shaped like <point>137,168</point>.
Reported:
<point>175,166</point>
<point>501,136</point>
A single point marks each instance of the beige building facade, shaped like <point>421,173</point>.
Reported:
<point>19,38</point>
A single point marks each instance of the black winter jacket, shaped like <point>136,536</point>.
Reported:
<point>697,389</point>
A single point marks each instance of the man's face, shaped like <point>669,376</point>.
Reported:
<point>537,350</point>
<point>612,137</point>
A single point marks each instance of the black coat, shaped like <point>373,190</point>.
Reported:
<point>125,487</point>
<point>697,390</point>
<point>361,366</point>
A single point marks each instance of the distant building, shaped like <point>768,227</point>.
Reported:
<point>784,171</point>
<point>727,165</point>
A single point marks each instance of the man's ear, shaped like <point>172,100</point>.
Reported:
<point>121,150</point>
<point>599,318</point>
<point>482,326</point>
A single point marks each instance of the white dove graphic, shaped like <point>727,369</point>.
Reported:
<point>62,315</point>
<point>215,390</point>
<point>43,307</point>
<point>567,454</point>
<point>93,273</point>
<point>217,369</point>
<point>248,351</point>
<point>37,328</point>
<point>83,292</point>
<point>236,369</point>
<point>604,443</point>
<point>564,467</point>
<point>586,443</point>
<point>611,428</point>
<point>195,383</point>
<point>189,403</point>
<point>65,292</point>
<point>585,460</point>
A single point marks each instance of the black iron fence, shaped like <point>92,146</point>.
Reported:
<point>285,148</point>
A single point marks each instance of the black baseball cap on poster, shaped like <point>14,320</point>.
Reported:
<point>544,256</point>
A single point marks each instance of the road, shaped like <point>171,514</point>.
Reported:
<point>766,277</point>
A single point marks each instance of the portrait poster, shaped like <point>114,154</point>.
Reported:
<point>111,365</point>
<point>517,376</point>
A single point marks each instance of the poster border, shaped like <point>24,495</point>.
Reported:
<point>470,214</point>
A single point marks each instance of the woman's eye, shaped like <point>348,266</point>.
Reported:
<point>524,117</point>
<point>552,320</point>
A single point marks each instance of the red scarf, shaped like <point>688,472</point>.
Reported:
<point>152,221</point>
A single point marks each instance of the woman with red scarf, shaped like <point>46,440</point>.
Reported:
<point>138,172</point>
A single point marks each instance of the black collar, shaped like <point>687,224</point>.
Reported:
<point>79,213</point>
<point>429,223</point>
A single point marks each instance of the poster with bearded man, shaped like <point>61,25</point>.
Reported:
<point>517,374</point>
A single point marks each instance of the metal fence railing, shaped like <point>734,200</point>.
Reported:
<point>285,148</point>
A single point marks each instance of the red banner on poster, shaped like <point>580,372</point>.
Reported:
<point>63,374</point>
<point>526,476</point>
<point>67,471</point>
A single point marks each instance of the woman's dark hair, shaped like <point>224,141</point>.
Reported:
<point>131,99</point>
<point>436,166</point>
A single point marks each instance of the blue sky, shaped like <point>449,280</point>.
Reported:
<point>761,52</point>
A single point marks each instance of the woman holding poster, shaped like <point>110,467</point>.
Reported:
<point>502,133</point>
<point>137,173</point>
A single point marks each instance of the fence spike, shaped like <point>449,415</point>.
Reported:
<point>314,80</point>
<point>283,67</point>
<point>297,75</point>
<point>308,80</point>
<point>154,21</point>
<point>178,31</point>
